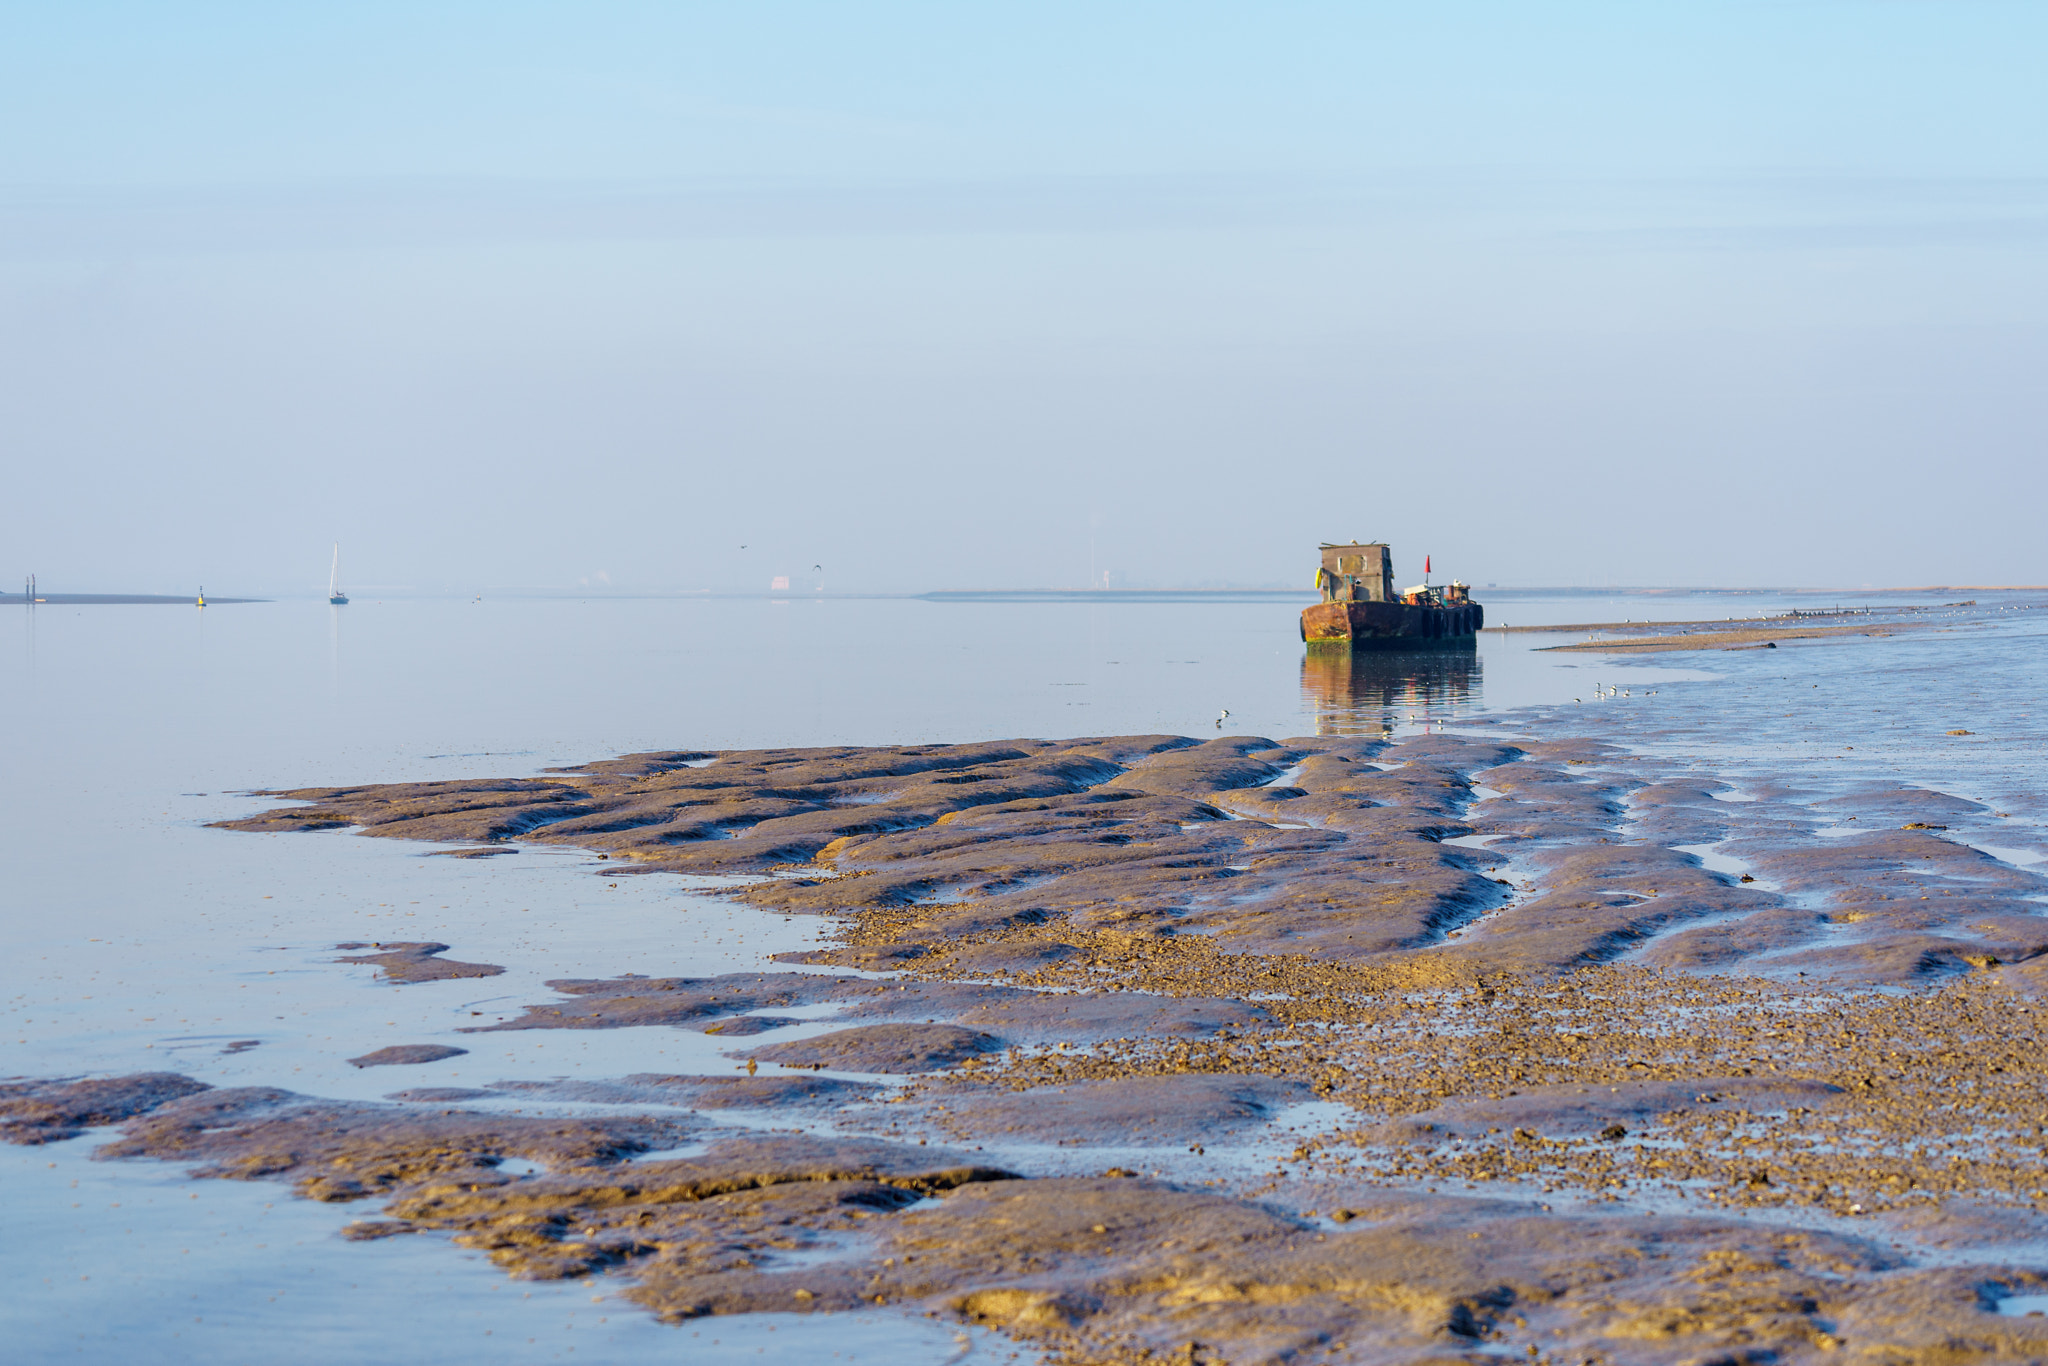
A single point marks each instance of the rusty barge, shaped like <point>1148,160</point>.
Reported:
<point>1362,610</point>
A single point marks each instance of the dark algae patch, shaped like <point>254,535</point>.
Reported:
<point>342,1151</point>
<point>732,1004</point>
<point>399,1055</point>
<point>50,1111</point>
<point>417,962</point>
<point>882,1048</point>
<point>1150,1049</point>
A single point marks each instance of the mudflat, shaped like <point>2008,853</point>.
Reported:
<point>1148,1048</point>
<point>1749,637</point>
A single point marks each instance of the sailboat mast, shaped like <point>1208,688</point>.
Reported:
<point>334,574</point>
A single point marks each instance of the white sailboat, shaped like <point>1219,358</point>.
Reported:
<point>334,593</point>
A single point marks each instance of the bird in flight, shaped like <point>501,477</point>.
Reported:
<point>1221,719</point>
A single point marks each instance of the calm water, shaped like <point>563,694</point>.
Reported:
<point>138,940</point>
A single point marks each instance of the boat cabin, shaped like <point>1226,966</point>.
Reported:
<point>1452,594</point>
<point>1357,572</point>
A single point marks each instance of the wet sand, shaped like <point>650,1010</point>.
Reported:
<point>1154,1049</point>
<point>1738,633</point>
<point>1754,637</point>
<point>1749,633</point>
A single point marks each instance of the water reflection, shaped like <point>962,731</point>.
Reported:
<point>1365,692</point>
<point>334,652</point>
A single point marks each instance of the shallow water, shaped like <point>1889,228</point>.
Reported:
<point>137,1261</point>
<point>139,940</point>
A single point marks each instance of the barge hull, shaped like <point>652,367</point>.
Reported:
<point>1369,624</point>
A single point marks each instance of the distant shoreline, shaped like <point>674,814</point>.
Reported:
<point>1106,594</point>
<point>1098,594</point>
<point>1071,595</point>
<point>115,599</point>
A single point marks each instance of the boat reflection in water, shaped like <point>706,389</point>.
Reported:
<point>1367,692</point>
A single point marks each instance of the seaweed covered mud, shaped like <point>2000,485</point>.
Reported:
<point>1150,1049</point>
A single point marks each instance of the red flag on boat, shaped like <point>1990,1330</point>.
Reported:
<point>1425,566</point>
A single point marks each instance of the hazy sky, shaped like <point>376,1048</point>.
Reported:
<point>982,295</point>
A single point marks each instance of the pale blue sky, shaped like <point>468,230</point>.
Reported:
<point>520,295</point>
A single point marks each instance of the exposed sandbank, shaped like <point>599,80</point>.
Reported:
<point>1741,638</point>
<point>1220,1043</point>
<point>1019,855</point>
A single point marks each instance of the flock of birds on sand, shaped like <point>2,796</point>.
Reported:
<point>1601,691</point>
